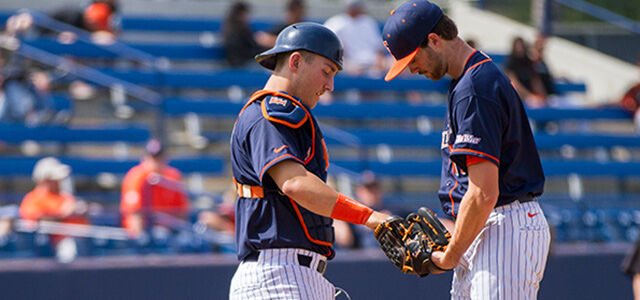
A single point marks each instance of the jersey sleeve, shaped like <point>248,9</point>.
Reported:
<point>479,131</point>
<point>271,143</point>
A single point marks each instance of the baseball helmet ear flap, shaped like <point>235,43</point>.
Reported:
<point>308,36</point>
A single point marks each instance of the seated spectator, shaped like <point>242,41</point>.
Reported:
<point>295,13</point>
<point>631,101</point>
<point>100,17</point>
<point>360,36</point>
<point>368,192</point>
<point>49,201</point>
<point>520,69</point>
<point>539,65</point>
<point>25,87</point>
<point>239,44</point>
<point>152,193</point>
<point>222,218</point>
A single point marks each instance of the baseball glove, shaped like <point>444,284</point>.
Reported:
<point>409,242</point>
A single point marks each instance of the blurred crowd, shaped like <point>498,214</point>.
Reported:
<point>154,201</point>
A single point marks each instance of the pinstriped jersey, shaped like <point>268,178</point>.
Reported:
<point>486,118</point>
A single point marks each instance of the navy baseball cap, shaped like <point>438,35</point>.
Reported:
<point>406,29</point>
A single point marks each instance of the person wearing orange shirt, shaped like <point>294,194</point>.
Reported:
<point>47,200</point>
<point>152,193</point>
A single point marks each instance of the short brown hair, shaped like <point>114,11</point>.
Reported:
<point>445,28</point>
<point>283,58</point>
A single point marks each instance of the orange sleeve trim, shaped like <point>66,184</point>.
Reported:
<point>349,210</point>
<point>472,160</point>
<point>477,64</point>
<point>304,226</point>
<point>476,152</point>
<point>275,160</point>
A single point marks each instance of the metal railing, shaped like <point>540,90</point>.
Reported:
<point>602,14</point>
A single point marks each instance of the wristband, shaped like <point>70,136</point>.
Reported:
<point>349,210</point>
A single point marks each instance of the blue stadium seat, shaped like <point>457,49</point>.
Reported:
<point>82,166</point>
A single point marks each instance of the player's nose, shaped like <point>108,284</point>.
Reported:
<point>329,85</point>
<point>413,69</point>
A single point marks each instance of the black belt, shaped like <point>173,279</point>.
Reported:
<point>526,198</point>
<point>303,260</point>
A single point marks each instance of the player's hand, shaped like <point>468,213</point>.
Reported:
<point>375,219</point>
<point>445,260</point>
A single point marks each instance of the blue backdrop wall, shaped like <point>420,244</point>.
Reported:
<point>208,277</point>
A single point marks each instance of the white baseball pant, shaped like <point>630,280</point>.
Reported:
<point>277,274</point>
<point>508,257</point>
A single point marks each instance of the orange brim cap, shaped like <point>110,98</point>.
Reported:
<point>399,65</point>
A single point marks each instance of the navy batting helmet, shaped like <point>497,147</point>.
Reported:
<point>308,36</point>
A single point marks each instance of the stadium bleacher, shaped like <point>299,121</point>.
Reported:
<point>573,223</point>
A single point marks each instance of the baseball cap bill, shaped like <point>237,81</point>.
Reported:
<point>405,30</point>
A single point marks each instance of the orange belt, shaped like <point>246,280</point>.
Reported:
<point>248,191</point>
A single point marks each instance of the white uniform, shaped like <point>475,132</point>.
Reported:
<point>508,257</point>
<point>278,274</point>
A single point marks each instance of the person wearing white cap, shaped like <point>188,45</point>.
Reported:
<point>47,200</point>
<point>360,36</point>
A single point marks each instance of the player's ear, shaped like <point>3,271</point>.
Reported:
<point>295,59</point>
<point>434,40</point>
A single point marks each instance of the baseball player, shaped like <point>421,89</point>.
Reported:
<point>285,210</point>
<point>491,171</point>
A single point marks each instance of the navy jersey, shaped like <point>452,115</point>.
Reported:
<point>486,118</point>
<point>273,127</point>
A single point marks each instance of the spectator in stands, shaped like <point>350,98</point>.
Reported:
<point>360,35</point>
<point>521,71</point>
<point>240,45</point>
<point>48,200</point>
<point>51,201</point>
<point>222,218</point>
<point>295,13</point>
<point>539,65</point>
<point>152,193</point>
<point>25,92</point>
<point>631,101</point>
<point>368,192</point>
<point>100,17</point>
<point>92,16</point>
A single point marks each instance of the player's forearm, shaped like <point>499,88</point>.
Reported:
<point>475,207</point>
<point>315,195</point>
<point>311,193</point>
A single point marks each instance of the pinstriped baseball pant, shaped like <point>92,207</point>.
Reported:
<point>508,257</point>
<point>278,275</point>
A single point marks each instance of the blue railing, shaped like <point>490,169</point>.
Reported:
<point>602,14</point>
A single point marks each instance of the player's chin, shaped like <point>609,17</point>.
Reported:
<point>434,77</point>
